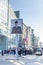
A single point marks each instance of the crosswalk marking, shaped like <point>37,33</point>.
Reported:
<point>26,59</point>
<point>21,62</point>
<point>11,61</point>
<point>38,63</point>
<point>17,62</point>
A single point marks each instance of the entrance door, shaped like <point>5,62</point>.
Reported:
<point>3,42</point>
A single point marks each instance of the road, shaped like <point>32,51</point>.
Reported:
<point>24,60</point>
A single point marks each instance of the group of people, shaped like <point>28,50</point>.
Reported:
<point>19,51</point>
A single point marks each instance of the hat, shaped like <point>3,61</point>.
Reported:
<point>16,21</point>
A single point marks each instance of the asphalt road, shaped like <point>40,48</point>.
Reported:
<point>24,60</point>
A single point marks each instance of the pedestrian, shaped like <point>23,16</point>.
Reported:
<point>20,52</point>
<point>2,53</point>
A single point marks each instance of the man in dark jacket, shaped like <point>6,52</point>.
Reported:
<point>2,53</point>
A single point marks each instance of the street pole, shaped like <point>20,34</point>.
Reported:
<point>7,23</point>
<point>17,41</point>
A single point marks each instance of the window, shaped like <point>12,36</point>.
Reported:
<point>0,30</point>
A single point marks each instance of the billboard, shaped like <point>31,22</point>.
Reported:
<point>16,26</point>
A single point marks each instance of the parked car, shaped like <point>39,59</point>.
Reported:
<point>0,51</point>
<point>38,51</point>
<point>30,51</point>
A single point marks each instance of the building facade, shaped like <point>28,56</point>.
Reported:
<point>11,37</point>
<point>5,24</point>
<point>32,37</point>
<point>24,40</point>
<point>29,33</point>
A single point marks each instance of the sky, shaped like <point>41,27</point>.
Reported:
<point>32,13</point>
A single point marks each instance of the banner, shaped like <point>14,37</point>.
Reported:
<point>16,26</point>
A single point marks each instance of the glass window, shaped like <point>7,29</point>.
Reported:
<point>0,30</point>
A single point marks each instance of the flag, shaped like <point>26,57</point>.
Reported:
<point>26,39</point>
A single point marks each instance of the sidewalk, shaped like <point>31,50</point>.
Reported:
<point>5,56</point>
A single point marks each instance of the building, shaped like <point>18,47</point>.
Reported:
<point>29,33</point>
<point>32,37</point>
<point>24,41</point>
<point>11,37</point>
<point>5,25</point>
<point>24,31</point>
<point>17,14</point>
<point>36,42</point>
<point>33,40</point>
<point>7,40</point>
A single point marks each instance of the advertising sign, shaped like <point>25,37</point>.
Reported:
<point>16,26</point>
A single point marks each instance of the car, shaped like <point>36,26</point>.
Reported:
<point>30,51</point>
<point>38,51</point>
<point>0,51</point>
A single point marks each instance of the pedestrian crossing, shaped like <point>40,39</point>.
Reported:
<point>27,60</point>
<point>16,62</point>
<point>38,63</point>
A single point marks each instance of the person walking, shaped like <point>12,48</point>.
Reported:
<point>2,53</point>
